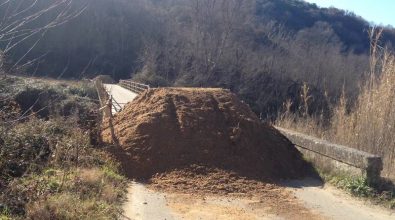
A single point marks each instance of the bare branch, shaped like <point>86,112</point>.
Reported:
<point>17,28</point>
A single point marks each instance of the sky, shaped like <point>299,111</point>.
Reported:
<point>376,11</point>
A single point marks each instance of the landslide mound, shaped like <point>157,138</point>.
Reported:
<point>173,128</point>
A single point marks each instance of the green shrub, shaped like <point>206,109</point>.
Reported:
<point>30,146</point>
<point>5,213</point>
<point>392,204</point>
<point>112,172</point>
<point>357,186</point>
<point>83,89</point>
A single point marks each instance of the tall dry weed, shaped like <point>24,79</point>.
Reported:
<point>369,125</point>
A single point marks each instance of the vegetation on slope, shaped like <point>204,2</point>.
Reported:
<point>367,125</point>
<point>51,163</point>
<point>259,49</point>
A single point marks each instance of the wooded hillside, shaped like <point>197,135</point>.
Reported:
<point>263,49</point>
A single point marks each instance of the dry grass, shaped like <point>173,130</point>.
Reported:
<point>51,165</point>
<point>87,193</point>
<point>69,206</point>
<point>369,125</point>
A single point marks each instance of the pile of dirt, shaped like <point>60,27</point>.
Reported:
<point>171,129</point>
<point>199,180</point>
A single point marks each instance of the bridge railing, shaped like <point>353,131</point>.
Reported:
<point>104,98</point>
<point>332,158</point>
<point>134,86</point>
<point>115,105</point>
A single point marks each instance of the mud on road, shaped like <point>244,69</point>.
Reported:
<point>146,203</point>
<point>296,200</point>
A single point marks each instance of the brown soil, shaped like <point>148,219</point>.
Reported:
<point>277,205</point>
<point>201,180</point>
<point>170,129</point>
<point>211,193</point>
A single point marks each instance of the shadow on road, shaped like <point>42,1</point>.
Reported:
<point>302,183</point>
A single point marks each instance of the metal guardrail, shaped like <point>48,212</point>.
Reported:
<point>104,99</point>
<point>134,86</point>
<point>107,102</point>
<point>115,105</point>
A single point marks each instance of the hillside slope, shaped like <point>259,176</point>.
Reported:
<point>245,46</point>
<point>110,34</point>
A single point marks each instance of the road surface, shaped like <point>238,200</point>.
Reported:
<point>325,202</point>
<point>333,203</point>
<point>143,203</point>
<point>121,95</point>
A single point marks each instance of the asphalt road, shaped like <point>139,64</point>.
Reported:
<point>325,201</point>
<point>333,203</point>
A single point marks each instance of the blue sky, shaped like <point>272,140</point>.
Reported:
<point>376,11</point>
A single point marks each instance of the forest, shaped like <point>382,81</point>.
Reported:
<point>264,50</point>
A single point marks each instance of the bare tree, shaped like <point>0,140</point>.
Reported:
<point>21,20</point>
